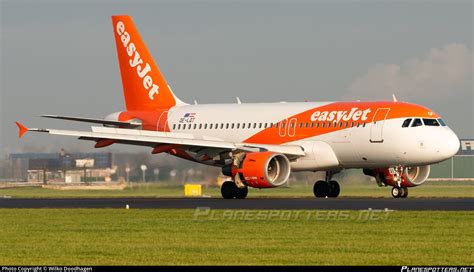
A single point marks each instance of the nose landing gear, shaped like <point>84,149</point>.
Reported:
<point>399,192</point>
<point>326,188</point>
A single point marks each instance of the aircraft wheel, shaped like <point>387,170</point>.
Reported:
<point>229,190</point>
<point>404,192</point>
<point>242,193</point>
<point>321,188</point>
<point>397,192</point>
<point>334,189</point>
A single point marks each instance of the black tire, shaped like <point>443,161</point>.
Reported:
<point>228,190</point>
<point>404,192</point>
<point>396,192</point>
<point>334,189</point>
<point>242,193</point>
<point>321,188</point>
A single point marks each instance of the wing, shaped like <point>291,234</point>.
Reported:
<point>160,141</point>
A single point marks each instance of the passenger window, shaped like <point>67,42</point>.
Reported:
<point>276,125</point>
<point>227,126</point>
<point>254,125</point>
<point>363,125</point>
<point>205,126</point>
<point>174,126</point>
<point>329,124</point>
<point>238,125</point>
<point>189,126</point>
<point>340,124</point>
<point>352,124</point>
<point>443,124</point>
<point>430,122</point>
<point>406,123</point>
<point>179,126</point>
<point>317,125</point>
<point>195,125</point>
<point>260,125</point>
<point>312,124</point>
<point>210,126</point>
<point>323,124</point>
<point>416,123</point>
<point>216,126</point>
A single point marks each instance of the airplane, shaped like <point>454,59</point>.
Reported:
<point>259,144</point>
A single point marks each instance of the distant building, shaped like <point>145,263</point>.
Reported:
<point>60,166</point>
<point>461,166</point>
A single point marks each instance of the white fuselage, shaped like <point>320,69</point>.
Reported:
<point>362,144</point>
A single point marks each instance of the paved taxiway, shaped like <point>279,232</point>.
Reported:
<point>446,204</point>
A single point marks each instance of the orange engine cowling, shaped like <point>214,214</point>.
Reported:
<point>411,176</point>
<point>262,169</point>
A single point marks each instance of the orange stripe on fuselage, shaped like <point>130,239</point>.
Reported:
<point>335,113</point>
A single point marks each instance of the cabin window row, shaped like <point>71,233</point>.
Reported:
<point>267,125</point>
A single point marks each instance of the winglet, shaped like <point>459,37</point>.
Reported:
<point>22,129</point>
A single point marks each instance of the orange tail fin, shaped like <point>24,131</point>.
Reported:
<point>144,86</point>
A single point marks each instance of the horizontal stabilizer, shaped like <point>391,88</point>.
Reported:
<point>96,121</point>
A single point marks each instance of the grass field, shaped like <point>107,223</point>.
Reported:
<point>440,189</point>
<point>170,237</point>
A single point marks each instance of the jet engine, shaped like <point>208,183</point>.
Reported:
<point>410,176</point>
<point>260,169</point>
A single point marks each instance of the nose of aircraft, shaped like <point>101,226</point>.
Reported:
<point>450,144</point>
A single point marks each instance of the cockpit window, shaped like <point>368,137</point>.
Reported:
<point>430,122</point>
<point>406,123</point>
<point>417,122</point>
<point>443,124</point>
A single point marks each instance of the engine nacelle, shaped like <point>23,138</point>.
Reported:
<point>411,176</point>
<point>261,169</point>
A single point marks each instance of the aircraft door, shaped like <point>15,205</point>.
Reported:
<point>162,124</point>
<point>376,128</point>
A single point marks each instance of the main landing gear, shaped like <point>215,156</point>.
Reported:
<point>400,192</point>
<point>327,187</point>
<point>230,190</point>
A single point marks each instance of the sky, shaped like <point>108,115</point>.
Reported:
<point>58,57</point>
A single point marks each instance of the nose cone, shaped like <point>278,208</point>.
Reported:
<point>450,144</point>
